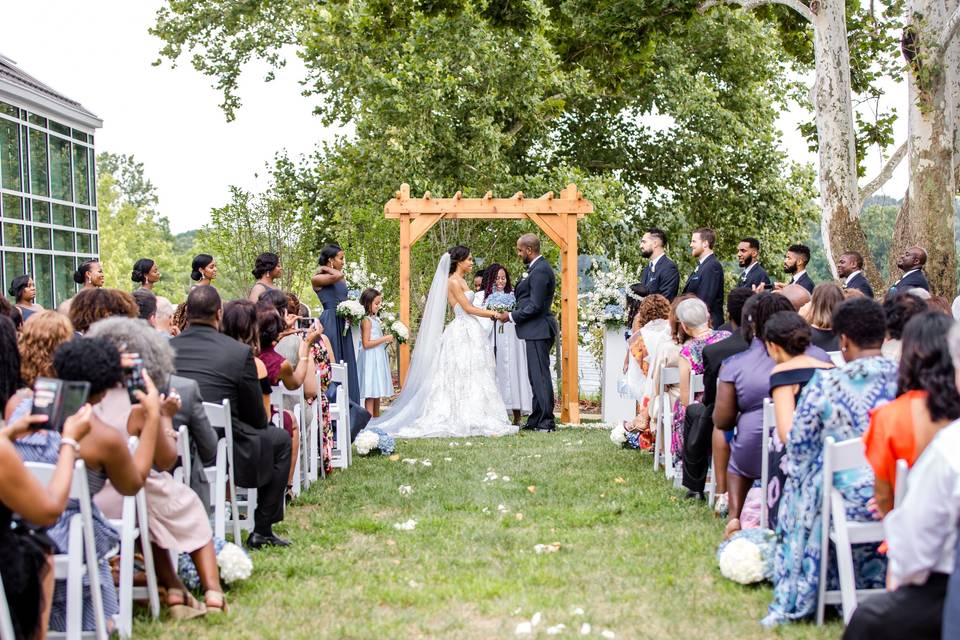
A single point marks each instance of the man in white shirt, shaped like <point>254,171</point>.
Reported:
<point>921,536</point>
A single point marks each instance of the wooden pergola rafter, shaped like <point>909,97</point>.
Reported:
<point>556,217</point>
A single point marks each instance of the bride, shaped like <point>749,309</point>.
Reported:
<point>451,389</point>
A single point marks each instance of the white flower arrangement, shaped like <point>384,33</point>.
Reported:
<point>618,435</point>
<point>605,304</point>
<point>366,442</point>
<point>742,562</point>
<point>234,564</point>
<point>399,331</point>
<point>351,311</point>
<point>358,276</point>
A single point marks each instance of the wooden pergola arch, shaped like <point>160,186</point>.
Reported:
<point>556,217</point>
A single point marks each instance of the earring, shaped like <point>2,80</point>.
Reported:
<point>843,349</point>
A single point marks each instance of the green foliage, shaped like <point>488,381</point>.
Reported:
<point>131,228</point>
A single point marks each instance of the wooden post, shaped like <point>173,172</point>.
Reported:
<point>404,282</point>
<point>569,392</point>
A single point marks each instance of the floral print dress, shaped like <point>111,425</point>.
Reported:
<point>692,352</point>
<point>321,358</point>
<point>837,403</point>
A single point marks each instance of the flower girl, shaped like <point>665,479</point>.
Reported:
<point>373,366</point>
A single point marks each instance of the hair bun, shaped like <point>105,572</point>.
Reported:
<point>196,275</point>
<point>137,276</point>
<point>78,277</point>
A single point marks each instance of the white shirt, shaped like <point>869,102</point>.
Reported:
<point>653,263</point>
<point>851,277</point>
<point>956,308</point>
<point>797,276</point>
<point>922,532</point>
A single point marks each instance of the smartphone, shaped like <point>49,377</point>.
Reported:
<point>58,399</point>
<point>133,377</point>
<point>75,394</point>
<point>305,324</point>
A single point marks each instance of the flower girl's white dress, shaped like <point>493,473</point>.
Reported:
<point>463,398</point>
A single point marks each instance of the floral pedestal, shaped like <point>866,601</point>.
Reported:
<point>615,407</point>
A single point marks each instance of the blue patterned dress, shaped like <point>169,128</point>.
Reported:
<point>836,402</point>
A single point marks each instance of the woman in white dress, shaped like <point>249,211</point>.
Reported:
<point>451,386</point>
<point>510,351</point>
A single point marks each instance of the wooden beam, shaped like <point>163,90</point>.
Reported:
<point>570,201</point>
<point>479,215</point>
<point>570,390</point>
<point>549,225</point>
<point>421,224</point>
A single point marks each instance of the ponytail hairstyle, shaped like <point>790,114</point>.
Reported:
<point>200,261</point>
<point>458,254</point>
<point>328,253</point>
<point>265,263</point>
<point>140,270</point>
<point>80,275</point>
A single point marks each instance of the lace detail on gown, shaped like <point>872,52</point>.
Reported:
<point>463,399</point>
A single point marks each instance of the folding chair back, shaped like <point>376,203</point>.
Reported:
<point>836,357</point>
<point>837,457</point>
<point>281,397</point>
<point>696,385</point>
<point>900,491</point>
<point>340,413</point>
<point>220,417</point>
<point>769,424</point>
<point>182,473</point>
<point>663,434</point>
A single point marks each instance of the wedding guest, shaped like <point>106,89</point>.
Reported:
<point>510,351</point>
<point>12,312</point>
<point>826,297</point>
<point>850,268</point>
<point>911,263</point>
<point>91,305</point>
<point>178,322</point>
<point>177,518</point>
<point>898,309</point>
<point>795,263</point>
<point>478,280</point>
<point>748,256</point>
<point>203,438</point>
<point>164,317</point>
<point>147,305</point>
<point>786,336</point>
<point>940,304</point>
<point>651,330</point>
<point>635,295</point>
<point>330,286</point>
<point>145,273</point>
<point>660,275</point>
<point>797,295</point>
<point>225,369</point>
<point>23,290</point>
<point>203,269</point>
<point>90,275</point>
<point>706,282</point>
<point>376,382</point>
<point>928,401</point>
<point>266,270</point>
<point>836,402</point>
<point>38,340</point>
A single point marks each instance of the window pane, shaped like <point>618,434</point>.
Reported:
<point>83,218</point>
<point>93,218</point>
<point>62,240</point>
<point>8,109</point>
<point>41,237</point>
<point>37,120</point>
<point>12,207</point>
<point>43,278</point>
<point>41,211</point>
<point>59,128</point>
<point>96,245</point>
<point>91,162</point>
<point>81,174</point>
<point>62,214</point>
<point>79,135</point>
<point>64,285</point>
<point>83,243</point>
<point>61,182</point>
<point>13,264</point>
<point>10,154</point>
<point>38,163</point>
<point>13,235</point>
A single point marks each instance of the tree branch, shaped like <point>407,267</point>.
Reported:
<point>950,29</point>
<point>871,187</point>
<point>796,5</point>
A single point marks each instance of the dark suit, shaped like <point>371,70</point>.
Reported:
<point>698,421</point>
<point>537,325</point>
<point>756,275</point>
<point>860,283</point>
<point>912,280</point>
<point>224,368</point>
<point>805,281</point>
<point>663,279</point>
<point>203,438</point>
<point>707,284</point>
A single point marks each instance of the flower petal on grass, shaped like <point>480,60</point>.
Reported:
<point>546,548</point>
<point>426,463</point>
<point>524,629</point>
<point>619,480</point>
<point>532,488</point>
<point>409,525</point>
<point>609,635</point>
<point>585,629</point>
<point>394,458</point>
<point>409,461</point>
<point>405,489</point>
<point>556,629</point>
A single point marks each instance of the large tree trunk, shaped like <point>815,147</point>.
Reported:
<point>839,201</point>
<point>926,218</point>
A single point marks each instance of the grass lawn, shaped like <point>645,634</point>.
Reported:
<point>634,556</point>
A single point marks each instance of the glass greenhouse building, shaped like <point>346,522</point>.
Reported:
<point>48,195</point>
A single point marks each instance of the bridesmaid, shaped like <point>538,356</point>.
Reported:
<point>331,288</point>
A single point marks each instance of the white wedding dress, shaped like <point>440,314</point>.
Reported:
<point>451,388</point>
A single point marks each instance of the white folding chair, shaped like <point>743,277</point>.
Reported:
<point>342,455</point>
<point>315,464</point>
<point>900,491</point>
<point>278,396</point>
<point>696,385</point>
<point>664,427</point>
<point>220,418</point>
<point>182,473</point>
<point>81,556</point>
<point>769,424</point>
<point>837,358</point>
<point>6,622</point>
<point>841,456</point>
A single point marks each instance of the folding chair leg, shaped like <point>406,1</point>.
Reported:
<point>75,580</point>
<point>153,592</point>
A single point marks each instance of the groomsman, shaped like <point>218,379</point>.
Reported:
<point>850,268</point>
<point>661,274</point>
<point>748,255</point>
<point>706,281</point>
<point>795,263</point>
<point>911,262</point>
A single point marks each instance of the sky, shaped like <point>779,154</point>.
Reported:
<point>100,54</point>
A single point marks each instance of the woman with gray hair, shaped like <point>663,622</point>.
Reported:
<point>694,320</point>
<point>177,519</point>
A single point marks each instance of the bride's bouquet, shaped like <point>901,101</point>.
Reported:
<point>351,311</point>
<point>399,331</point>
<point>501,303</point>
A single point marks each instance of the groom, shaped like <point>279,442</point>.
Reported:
<point>537,326</point>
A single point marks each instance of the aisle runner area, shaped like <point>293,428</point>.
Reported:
<point>443,543</point>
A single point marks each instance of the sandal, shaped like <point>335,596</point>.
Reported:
<point>215,600</point>
<point>187,608</point>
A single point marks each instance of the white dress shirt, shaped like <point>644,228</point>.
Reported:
<point>797,276</point>
<point>653,263</point>
<point>922,532</point>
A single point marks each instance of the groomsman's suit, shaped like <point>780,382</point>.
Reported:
<point>912,279</point>
<point>859,281</point>
<point>754,275</point>
<point>661,276</point>
<point>537,326</point>
<point>706,282</point>
<point>804,281</point>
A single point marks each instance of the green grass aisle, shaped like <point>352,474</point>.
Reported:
<point>636,558</point>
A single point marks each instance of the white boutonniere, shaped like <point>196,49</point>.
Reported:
<point>525,275</point>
